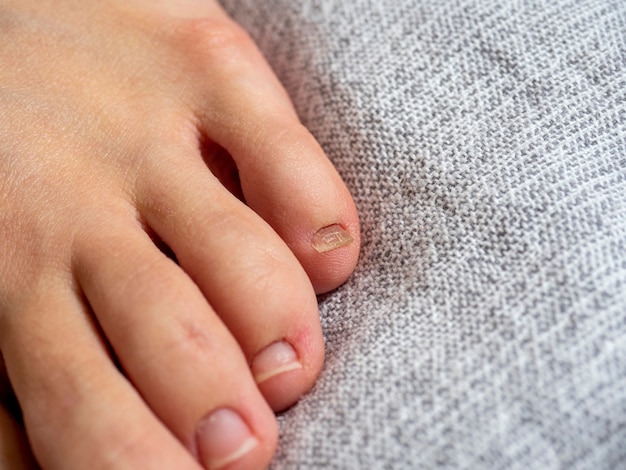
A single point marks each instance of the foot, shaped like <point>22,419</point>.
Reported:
<point>156,305</point>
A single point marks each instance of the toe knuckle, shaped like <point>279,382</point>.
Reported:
<point>214,40</point>
<point>193,336</point>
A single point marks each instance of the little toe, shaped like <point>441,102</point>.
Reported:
<point>247,273</point>
<point>176,351</point>
<point>285,176</point>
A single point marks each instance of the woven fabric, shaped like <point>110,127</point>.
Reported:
<point>484,142</point>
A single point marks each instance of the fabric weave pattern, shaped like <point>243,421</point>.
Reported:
<point>484,142</point>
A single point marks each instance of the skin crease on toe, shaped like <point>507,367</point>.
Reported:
<point>120,356</point>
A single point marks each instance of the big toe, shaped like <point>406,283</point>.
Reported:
<point>285,175</point>
<point>288,180</point>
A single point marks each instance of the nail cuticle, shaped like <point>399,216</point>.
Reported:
<point>223,437</point>
<point>275,359</point>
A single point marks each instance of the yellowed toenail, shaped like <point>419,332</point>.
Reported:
<point>330,238</point>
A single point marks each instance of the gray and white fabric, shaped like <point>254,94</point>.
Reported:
<point>484,142</point>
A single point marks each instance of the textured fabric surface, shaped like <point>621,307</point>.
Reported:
<point>485,144</point>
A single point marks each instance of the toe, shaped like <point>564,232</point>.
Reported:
<point>245,270</point>
<point>288,180</point>
<point>79,411</point>
<point>175,349</point>
<point>285,175</point>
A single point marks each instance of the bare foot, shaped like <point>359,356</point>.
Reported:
<point>112,115</point>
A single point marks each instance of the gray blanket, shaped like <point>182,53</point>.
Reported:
<point>485,144</point>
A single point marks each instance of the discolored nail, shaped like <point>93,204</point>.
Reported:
<point>330,238</point>
<point>275,359</point>
<point>223,437</point>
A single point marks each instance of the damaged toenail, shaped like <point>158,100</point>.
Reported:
<point>223,437</point>
<point>275,359</point>
<point>330,238</point>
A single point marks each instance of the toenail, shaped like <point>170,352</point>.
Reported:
<point>222,438</point>
<point>275,359</point>
<point>330,238</point>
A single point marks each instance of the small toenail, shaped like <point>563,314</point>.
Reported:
<point>330,238</point>
<point>275,359</point>
<point>222,438</point>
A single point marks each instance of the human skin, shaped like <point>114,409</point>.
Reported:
<point>149,317</point>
